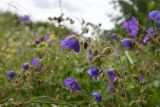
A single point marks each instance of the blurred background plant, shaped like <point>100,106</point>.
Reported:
<point>129,8</point>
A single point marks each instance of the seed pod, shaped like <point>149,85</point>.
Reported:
<point>95,52</point>
<point>97,58</point>
<point>107,51</point>
<point>59,20</point>
<point>55,18</point>
<point>85,45</point>
<point>50,18</point>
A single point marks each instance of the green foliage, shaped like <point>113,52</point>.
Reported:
<point>47,89</point>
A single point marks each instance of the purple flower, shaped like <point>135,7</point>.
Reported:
<point>25,66</point>
<point>35,61</point>
<point>141,78</point>
<point>149,35</point>
<point>39,67</point>
<point>71,42</point>
<point>111,75</point>
<point>150,29</point>
<point>153,14</point>
<point>93,72</point>
<point>11,74</point>
<point>133,27</point>
<point>133,23</point>
<point>46,38</point>
<point>36,64</point>
<point>134,32</point>
<point>127,42</point>
<point>90,55</point>
<point>26,19</point>
<point>72,84</point>
<point>158,18</point>
<point>125,25</point>
<point>147,38</point>
<point>97,96</point>
<point>111,87</point>
<point>114,36</point>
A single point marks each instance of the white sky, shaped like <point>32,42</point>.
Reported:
<point>95,11</point>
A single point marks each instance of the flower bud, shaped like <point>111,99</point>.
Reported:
<point>85,45</point>
<point>97,58</point>
<point>107,50</point>
<point>95,52</point>
<point>11,74</point>
<point>25,66</point>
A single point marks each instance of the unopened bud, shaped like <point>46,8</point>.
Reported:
<point>95,52</point>
<point>97,58</point>
<point>107,51</point>
<point>85,45</point>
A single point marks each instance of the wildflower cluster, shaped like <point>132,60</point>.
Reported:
<point>95,71</point>
<point>133,28</point>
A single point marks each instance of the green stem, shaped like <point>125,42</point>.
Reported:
<point>154,29</point>
<point>123,81</point>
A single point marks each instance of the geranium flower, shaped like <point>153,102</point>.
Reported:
<point>72,84</point>
<point>97,96</point>
<point>90,55</point>
<point>26,19</point>
<point>93,72</point>
<point>71,42</point>
<point>25,66</point>
<point>11,74</point>
<point>127,42</point>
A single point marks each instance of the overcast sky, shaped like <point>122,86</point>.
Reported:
<point>95,11</point>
